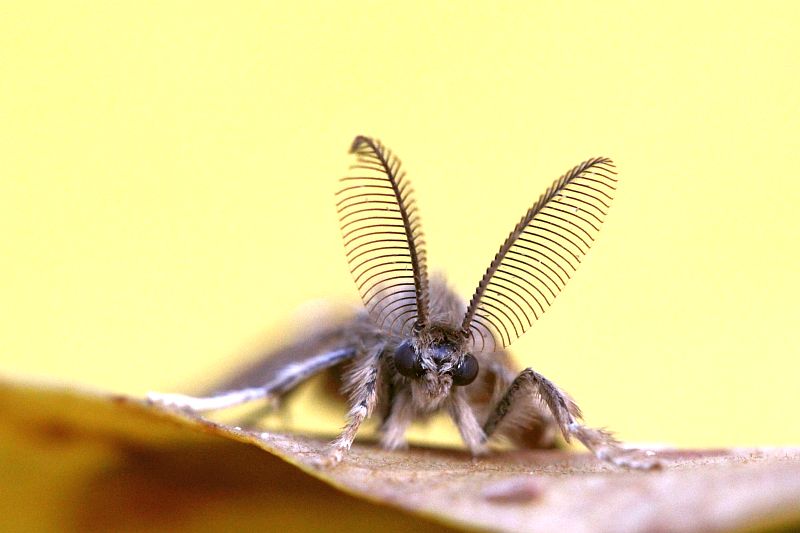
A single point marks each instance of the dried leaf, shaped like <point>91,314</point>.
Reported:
<point>86,461</point>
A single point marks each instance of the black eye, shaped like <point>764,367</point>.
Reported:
<point>406,361</point>
<point>466,371</point>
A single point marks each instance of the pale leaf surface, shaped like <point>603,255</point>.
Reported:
<point>76,460</point>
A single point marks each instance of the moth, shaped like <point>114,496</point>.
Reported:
<point>417,348</point>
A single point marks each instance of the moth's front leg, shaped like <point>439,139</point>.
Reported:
<point>468,426</point>
<point>362,382</point>
<point>529,385</point>
<point>401,415</point>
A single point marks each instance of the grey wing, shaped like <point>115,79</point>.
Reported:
<point>274,376</point>
<point>331,342</point>
<point>307,355</point>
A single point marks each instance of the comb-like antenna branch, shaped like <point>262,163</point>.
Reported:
<point>553,236</point>
<point>380,227</point>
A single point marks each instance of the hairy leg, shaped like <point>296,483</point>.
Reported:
<point>530,428</point>
<point>530,385</point>
<point>468,426</point>
<point>362,383</point>
<point>394,428</point>
<point>287,378</point>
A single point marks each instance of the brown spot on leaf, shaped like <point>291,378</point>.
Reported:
<point>514,490</point>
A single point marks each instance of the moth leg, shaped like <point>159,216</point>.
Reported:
<point>531,385</point>
<point>285,379</point>
<point>362,384</point>
<point>394,428</point>
<point>535,429</point>
<point>468,426</point>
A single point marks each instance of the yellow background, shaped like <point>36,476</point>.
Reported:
<point>168,170</point>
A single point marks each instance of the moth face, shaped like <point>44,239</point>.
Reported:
<point>436,363</point>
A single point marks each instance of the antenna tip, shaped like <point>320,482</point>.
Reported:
<point>358,141</point>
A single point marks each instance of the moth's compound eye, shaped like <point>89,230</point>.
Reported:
<point>466,371</point>
<point>406,361</point>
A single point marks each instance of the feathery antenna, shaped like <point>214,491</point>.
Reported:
<point>382,238</point>
<point>539,256</point>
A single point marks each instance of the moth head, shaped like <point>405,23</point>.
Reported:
<point>436,354</point>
